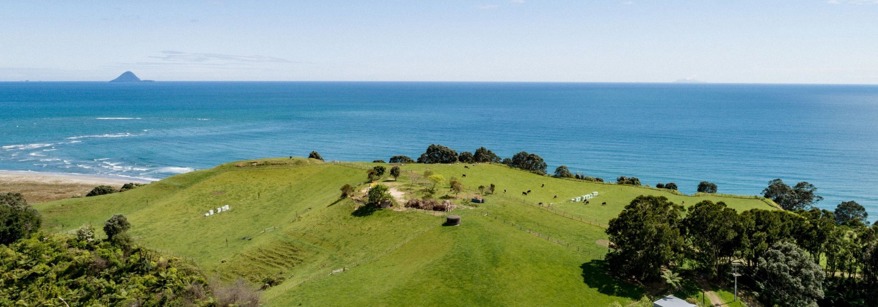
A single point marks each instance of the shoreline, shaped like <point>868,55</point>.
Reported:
<point>8,176</point>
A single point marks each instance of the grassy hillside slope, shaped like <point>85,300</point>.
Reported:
<point>287,222</point>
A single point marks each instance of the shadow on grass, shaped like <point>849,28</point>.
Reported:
<point>594,274</point>
<point>364,211</point>
<point>336,202</point>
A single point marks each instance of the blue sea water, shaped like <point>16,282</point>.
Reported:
<point>737,136</point>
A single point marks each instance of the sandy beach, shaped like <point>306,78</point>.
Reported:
<point>41,187</point>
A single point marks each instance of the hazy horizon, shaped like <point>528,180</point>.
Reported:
<point>745,42</point>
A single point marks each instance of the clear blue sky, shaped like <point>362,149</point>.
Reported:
<point>764,41</point>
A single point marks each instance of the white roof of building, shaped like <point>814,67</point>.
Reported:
<point>671,301</point>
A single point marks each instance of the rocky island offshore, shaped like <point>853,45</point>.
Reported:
<point>128,77</point>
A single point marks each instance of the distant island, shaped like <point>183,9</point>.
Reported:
<point>128,77</point>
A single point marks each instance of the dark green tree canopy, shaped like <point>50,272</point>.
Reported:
<point>395,172</point>
<point>563,172</point>
<point>484,155</point>
<point>17,218</point>
<point>706,187</point>
<point>799,197</point>
<point>101,190</point>
<point>315,155</point>
<point>529,162</point>
<point>628,180</point>
<point>851,213</point>
<point>116,225</point>
<point>788,277</point>
<point>466,157</point>
<point>401,159</point>
<point>711,228</point>
<point>671,186</point>
<point>438,154</point>
<point>379,197</point>
<point>647,237</point>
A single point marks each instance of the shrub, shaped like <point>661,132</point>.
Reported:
<point>116,225</point>
<point>101,190</point>
<point>430,204</point>
<point>130,186</point>
<point>706,187</point>
<point>563,172</point>
<point>346,191</point>
<point>378,161</point>
<point>17,218</point>
<point>466,157</point>
<point>379,197</point>
<point>401,159</point>
<point>529,162</point>
<point>671,186</point>
<point>395,172</point>
<point>628,180</point>
<point>483,155</point>
<point>315,155</point>
<point>438,154</point>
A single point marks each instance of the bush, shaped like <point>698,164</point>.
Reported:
<point>628,180</point>
<point>401,159</point>
<point>529,162</point>
<point>438,154</point>
<point>395,172</point>
<point>346,191</point>
<point>706,187</point>
<point>116,225</point>
<point>671,186</point>
<point>430,204</point>
<point>18,219</point>
<point>466,157</point>
<point>101,190</point>
<point>379,197</point>
<point>483,155</point>
<point>315,155</point>
<point>563,172</point>
<point>130,186</point>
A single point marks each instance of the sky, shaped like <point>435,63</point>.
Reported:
<point>721,41</point>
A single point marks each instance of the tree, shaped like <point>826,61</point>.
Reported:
<point>394,172</point>
<point>18,219</point>
<point>456,186</point>
<point>529,162</point>
<point>760,229</point>
<point>346,191</point>
<point>674,281</point>
<point>786,276</point>
<point>711,230</point>
<point>647,237</point>
<point>436,179</point>
<point>799,197</point>
<point>379,197</point>
<point>315,155</point>
<point>814,230</point>
<point>671,186</point>
<point>466,157</point>
<point>484,155</point>
<point>706,187</point>
<point>375,173</point>
<point>130,186</point>
<point>401,159</point>
<point>850,213</point>
<point>101,190</point>
<point>628,180</point>
<point>438,154</point>
<point>116,226</point>
<point>563,172</point>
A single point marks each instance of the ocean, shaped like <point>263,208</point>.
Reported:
<point>737,136</point>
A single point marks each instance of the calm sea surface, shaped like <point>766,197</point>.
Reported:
<point>737,136</point>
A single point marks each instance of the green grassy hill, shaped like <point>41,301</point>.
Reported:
<point>287,221</point>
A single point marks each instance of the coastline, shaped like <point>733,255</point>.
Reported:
<point>38,187</point>
<point>63,178</point>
